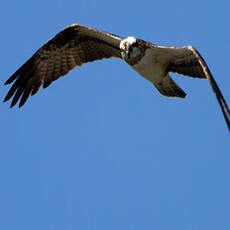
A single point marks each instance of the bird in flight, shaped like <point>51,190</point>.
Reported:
<point>78,44</point>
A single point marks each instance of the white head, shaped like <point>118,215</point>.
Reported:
<point>129,48</point>
<point>126,43</point>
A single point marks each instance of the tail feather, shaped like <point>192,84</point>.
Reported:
<point>169,88</point>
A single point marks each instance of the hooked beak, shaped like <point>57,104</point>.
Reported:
<point>126,52</point>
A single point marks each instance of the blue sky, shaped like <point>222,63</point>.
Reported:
<point>101,148</point>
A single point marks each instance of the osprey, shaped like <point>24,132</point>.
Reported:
<point>78,44</point>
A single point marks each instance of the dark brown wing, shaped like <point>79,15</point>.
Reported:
<point>187,60</point>
<point>73,46</point>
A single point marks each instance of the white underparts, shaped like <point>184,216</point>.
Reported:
<point>149,68</point>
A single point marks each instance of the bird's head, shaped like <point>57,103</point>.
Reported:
<point>129,48</point>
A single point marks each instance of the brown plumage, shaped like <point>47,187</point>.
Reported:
<point>73,46</point>
<point>78,44</point>
<point>191,63</point>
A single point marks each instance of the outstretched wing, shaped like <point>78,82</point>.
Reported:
<point>73,46</point>
<point>187,60</point>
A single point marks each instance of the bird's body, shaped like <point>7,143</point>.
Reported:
<point>150,68</point>
<point>154,71</point>
<point>78,44</point>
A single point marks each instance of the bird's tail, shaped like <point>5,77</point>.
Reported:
<point>169,88</point>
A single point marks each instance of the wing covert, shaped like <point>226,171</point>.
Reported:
<point>73,46</point>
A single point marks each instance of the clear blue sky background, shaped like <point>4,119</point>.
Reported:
<point>101,149</point>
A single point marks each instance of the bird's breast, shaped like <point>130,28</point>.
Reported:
<point>149,67</point>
